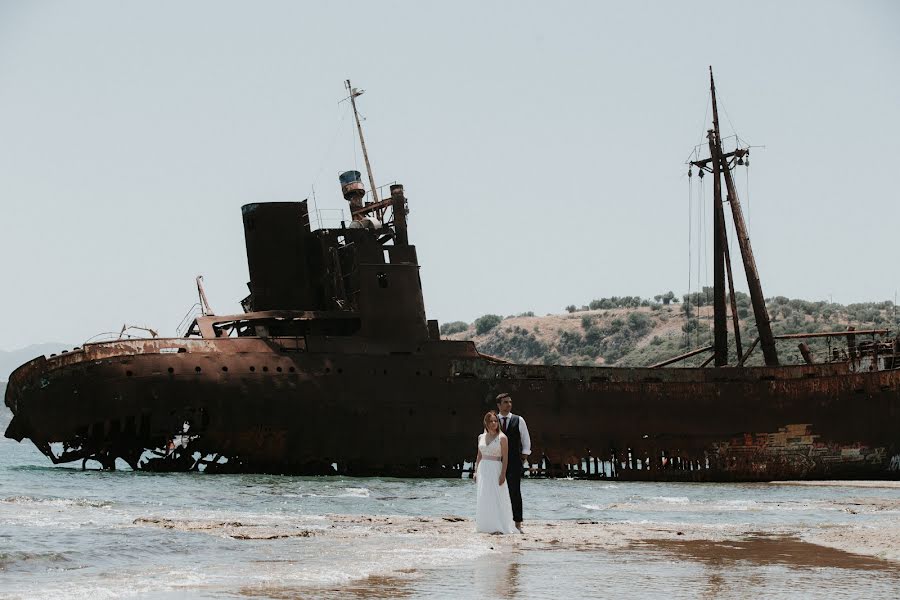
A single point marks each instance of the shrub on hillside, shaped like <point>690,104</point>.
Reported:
<point>516,344</point>
<point>453,327</point>
<point>485,323</point>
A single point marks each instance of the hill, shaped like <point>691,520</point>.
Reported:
<point>10,360</point>
<point>632,331</point>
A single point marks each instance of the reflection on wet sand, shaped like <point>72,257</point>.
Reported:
<point>496,575</point>
<point>372,587</point>
<point>760,549</point>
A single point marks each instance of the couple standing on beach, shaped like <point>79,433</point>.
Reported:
<point>502,448</point>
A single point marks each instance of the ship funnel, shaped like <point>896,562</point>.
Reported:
<point>353,190</point>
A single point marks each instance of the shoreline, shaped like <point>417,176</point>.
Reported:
<point>848,545</point>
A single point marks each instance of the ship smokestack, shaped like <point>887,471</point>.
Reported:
<point>353,191</point>
<point>398,202</point>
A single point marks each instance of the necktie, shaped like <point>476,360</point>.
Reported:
<point>504,424</point>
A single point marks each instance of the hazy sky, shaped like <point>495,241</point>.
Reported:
<point>542,146</point>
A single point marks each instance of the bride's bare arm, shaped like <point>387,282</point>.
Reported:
<point>504,448</point>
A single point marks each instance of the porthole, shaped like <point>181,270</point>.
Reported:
<point>340,371</point>
<point>252,369</point>
<point>278,369</point>
<point>197,369</point>
<point>128,373</point>
<point>265,369</point>
<point>328,369</point>
<point>291,369</point>
<point>171,370</point>
<point>225,369</point>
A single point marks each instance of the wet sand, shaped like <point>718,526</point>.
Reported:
<point>846,545</point>
<point>725,556</point>
<point>873,546</point>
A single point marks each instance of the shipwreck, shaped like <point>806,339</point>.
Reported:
<point>334,368</point>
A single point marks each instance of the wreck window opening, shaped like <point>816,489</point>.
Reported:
<point>171,370</point>
<point>278,369</point>
<point>328,369</point>
<point>198,369</point>
<point>382,279</point>
<point>224,369</point>
<point>128,373</point>
<point>252,369</point>
<point>265,369</point>
<point>291,369</point>
<point>340,370</point>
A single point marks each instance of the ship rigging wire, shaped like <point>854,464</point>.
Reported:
<point>334,136</point>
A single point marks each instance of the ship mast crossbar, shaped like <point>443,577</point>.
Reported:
<point>382,204</point>
<point>703,164</point>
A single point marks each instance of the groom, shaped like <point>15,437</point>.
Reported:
<point>519,448</point>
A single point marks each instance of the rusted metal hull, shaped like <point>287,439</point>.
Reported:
<point>253,405</point>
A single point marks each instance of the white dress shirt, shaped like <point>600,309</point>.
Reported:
<point>523,432</point>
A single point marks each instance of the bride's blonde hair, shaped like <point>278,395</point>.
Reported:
<point>486,420</point>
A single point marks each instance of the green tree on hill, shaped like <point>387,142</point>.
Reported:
<point>454,327</point>
<point>485,323</point>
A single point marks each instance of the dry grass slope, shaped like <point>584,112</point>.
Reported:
<point>644,335</point>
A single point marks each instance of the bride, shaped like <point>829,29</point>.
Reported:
<point>493,510</point>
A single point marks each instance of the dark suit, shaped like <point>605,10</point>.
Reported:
<point>514,465</point>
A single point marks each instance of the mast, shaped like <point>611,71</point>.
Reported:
<point>720,331</point>
<point>760,312</point>
<point>362,141</point>
<point>735,320</point>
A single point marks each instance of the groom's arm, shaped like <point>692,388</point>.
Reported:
<point>526,439</point>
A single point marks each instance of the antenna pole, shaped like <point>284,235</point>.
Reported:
<point>362,141</point>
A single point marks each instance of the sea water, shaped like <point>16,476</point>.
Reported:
<point>68,533</point>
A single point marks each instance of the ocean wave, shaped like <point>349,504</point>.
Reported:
<point>672,499</point>
<point>83,502</point>
<point>14,560</point>
<point>346,493</point>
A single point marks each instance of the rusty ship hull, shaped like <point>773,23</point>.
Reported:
<point>264,406</point>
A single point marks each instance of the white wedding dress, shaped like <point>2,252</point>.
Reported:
<point>493,510</point>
